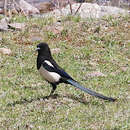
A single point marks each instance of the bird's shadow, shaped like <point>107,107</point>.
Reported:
<point>24,100</point>
<point>43,98</point>
<point>55,96</point>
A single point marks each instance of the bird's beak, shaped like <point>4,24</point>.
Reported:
<point>37,49</point>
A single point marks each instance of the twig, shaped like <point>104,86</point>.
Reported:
<point>21,10</point>
<point>9,10</point>
<point>78,9</point>
<point>57,5</point>
<point>5,7</point>
<point>70,6</point>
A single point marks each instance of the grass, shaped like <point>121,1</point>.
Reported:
<point>86,46</point>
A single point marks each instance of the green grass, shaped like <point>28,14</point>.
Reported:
<point>86,46</point>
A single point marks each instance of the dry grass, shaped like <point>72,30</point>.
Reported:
<point>86,46</point>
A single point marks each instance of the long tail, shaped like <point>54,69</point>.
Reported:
<point>77,85</point>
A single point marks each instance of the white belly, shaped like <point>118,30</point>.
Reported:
<point>49,76</point>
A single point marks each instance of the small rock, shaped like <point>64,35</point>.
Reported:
<point>1,11</point>
<point>93,63</point>
<point>27,8</point>
<point>56,29</point>
<point>44,7</point>
<point>3,27</point>
<point>96,74</point>
<point>17,26</point>
<point>55,50</point>
<point>124,68</point>
<point>5,51</point>
<point>35,38</point>
<point>115,73</point>
<point>4,20</point>
<point>128,41</point>
<point>49,107</point>
<point>4,24</point>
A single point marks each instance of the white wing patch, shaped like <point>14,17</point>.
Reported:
<point>49,63</point>
<point>49,76</point>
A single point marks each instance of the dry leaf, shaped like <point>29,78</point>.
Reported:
<point>5,51</point>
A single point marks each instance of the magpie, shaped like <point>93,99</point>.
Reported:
<point>54,74</point>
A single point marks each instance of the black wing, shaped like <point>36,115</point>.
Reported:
<point>58,70</point>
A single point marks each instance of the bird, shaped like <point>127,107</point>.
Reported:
<point>54,74</point>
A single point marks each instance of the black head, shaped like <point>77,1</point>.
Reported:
<point>43,49</point>
<point>42,46</point>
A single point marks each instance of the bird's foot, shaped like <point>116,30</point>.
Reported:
<point>54,96</point>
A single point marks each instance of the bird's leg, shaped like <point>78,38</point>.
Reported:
<point>53,89</point>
